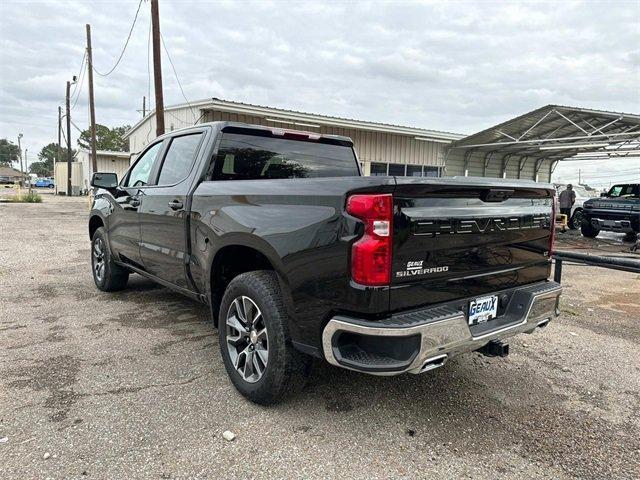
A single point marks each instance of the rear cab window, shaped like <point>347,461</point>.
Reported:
<point>243,156</point>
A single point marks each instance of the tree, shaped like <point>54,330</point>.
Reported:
<point>41,169</point>
<point>106,138</point>
<point>48,154</point>
<point>9,152</point>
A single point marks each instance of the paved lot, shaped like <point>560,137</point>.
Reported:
<point>131,385</point>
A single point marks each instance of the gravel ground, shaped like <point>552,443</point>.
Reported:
<point>132,385</point>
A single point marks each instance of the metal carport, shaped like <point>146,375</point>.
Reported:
<point>531,145</point>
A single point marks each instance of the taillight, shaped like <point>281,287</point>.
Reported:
<point>552,237</point>
<point>371,254</point>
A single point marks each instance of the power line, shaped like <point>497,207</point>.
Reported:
<point>175,73</point>
<point>80,83</point>
<point>123,48</point>
<point>84,57</point>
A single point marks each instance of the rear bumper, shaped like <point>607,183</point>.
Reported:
<point>421,340</point>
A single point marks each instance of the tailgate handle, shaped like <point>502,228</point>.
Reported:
<point>497,194</point>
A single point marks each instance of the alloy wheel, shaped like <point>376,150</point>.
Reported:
<point>247,339</point>
<point>98,259</point>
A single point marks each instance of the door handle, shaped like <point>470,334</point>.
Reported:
<point>175,205</point>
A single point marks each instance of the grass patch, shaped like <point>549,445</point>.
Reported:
<point>31,197</point>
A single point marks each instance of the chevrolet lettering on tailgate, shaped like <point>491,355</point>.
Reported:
<point>481,225</point>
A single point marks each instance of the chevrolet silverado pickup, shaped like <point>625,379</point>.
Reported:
<point>618,210</point>
<point>298,255</point>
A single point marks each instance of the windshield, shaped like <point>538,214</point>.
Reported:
<point>628,190</point>
<point>250,157</point>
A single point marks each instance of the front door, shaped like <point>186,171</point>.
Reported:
<point>163,212</point>
<point>124,222</point>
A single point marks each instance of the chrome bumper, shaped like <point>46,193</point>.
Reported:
<point>443,332</point>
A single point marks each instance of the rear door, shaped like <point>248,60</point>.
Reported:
<point>456,239</point>
<point>163,210</point>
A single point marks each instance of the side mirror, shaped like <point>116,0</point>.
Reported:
<point>104,180</point>
<point>603,194</point>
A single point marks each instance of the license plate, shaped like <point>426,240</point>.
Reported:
<point>483,309</point>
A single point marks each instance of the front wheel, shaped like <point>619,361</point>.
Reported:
<point>589,230</point>
<point>576,220</point>
<point>107,275</point>
<point>254,340</point>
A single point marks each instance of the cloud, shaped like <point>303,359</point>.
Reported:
<point>453,66</point>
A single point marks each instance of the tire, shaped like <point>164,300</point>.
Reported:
<point>285,369</point>
<point>107,276</point>
<point>588,230</point>
<point>575,222</point>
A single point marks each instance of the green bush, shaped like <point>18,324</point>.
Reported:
<point>32,197</point>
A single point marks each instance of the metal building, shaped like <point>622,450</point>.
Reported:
<point>106,160</point>
<point>382,149</point>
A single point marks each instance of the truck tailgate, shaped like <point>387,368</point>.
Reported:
<point>460,238</point>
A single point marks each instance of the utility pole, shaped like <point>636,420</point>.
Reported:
<point>68,104</point>
<point>144,106</point>
<point>92,106</point>
<point>20,155</point>
<point>26,167</point>
<point>579,176</point>
<point>157,66</point>
<point>59,152</point>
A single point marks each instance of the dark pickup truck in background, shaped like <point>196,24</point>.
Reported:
<point>298,255</point>
<point>618,210</point>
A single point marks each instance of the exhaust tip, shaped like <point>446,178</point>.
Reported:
<point>434,363</point>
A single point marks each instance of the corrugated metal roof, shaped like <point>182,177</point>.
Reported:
<point>278,113</point>
<point>550,132</point>
<point>107,153</point>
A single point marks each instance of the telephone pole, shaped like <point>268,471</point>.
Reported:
<point>92,106</point>
<point>59,155</point>
<point>68,104</point>
<point>20,154</point>
<point>144,106</point>
<point>157,66</point>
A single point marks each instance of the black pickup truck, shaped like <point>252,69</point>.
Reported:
<point>300,256</point>
<point>618,210</point>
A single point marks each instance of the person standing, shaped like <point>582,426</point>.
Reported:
<point>567,199</point>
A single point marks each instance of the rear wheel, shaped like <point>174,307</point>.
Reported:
<point>254,340</point>
<point>107,275</point>
<point>589,230</point>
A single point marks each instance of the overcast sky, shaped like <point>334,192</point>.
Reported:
<point>453,66</point>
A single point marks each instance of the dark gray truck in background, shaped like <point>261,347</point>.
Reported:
<point>618,210</point>
<point>300,256</point>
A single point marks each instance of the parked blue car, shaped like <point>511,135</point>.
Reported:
<point>44,183</point>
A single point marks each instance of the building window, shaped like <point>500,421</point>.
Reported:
<point>431,171</point>
<point>396,170</point>
<point>414,170</point>
<point>378,169</point>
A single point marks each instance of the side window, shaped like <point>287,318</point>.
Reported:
<point>179,158</point>
<point>139,175</point>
